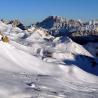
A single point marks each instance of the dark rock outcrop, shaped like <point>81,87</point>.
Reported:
<point>59,26</point>
<point>17,23</point>
<point>84,37</point>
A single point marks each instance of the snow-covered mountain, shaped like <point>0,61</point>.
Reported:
<point>14,23</point>
<point>35,64</point>
<point>59,26</point>
<point>79,31</point>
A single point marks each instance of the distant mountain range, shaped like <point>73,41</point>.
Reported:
<point>79,31</point>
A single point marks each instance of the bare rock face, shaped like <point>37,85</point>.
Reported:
<point>59,26</point>
<point>51,21</point>
<point>17,23</point>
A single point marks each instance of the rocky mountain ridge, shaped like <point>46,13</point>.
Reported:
<point>79,31</point>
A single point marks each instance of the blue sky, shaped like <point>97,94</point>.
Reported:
<point>30,11</point>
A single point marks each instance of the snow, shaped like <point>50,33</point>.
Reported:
<point>41,66</point>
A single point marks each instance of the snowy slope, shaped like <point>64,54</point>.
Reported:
<point>14,33</point>
<point>20,61</point>
<point>40,79</point>
<point>41,66</point>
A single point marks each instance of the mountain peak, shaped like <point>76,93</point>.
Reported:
<point>50,21</point>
